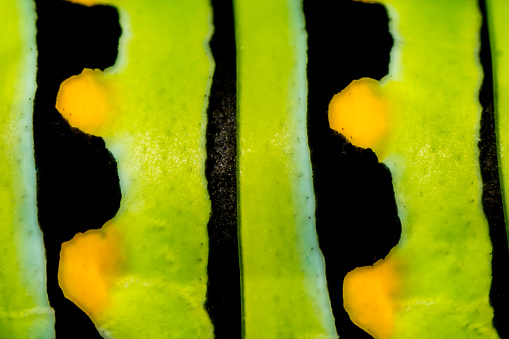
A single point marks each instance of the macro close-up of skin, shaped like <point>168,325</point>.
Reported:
<point>253,169</point>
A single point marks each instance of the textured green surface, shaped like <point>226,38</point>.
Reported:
<point>24,308</point>
<point>283,283</point>
<point>445,250</point>
<point>499,28</point>
<point>157,136</point>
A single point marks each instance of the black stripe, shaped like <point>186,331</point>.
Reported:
<point>492,197</point>
<point>77,180</point>
<point>223,294</point>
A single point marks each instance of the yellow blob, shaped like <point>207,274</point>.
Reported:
<point>84,101</point>
<point>369,293</point>
<point>360,113</point>
<point>85,2</point>
<point>89,264</point>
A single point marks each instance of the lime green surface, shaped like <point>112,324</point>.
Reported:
<point>283,283</point>
<point>24,308</point>
<point>445,250</point>
<point>162,80</point>
<point>498,31</point>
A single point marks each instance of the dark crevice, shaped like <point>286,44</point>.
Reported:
<point>356,214</point>
<point>492,197</point>
<point>77,181</point>
<point>223,293</point>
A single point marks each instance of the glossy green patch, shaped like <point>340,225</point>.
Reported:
<point>283,279</point>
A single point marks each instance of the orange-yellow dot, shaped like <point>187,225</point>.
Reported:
<point>84,101</point>
<point>86,2</point>
<point>369,297</point>
<point>89,265</point>
<point>360,113</point>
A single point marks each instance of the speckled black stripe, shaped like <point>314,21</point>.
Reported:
<point>223,293</point>
<point>492,198</point>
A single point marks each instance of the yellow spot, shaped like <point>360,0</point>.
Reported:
<point>85,2</point>
<point>360,113</point>
<point>369,294</point>
<point>84,101</point>
<point>89,264</point>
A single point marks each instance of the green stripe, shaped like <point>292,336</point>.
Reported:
<point>284,292</point>
<point>24,307</point>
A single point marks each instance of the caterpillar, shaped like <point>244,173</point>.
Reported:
<point>215,169</point>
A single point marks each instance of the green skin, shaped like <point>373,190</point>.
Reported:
<point>445,249</point>
<point>499,27</point>
<point>283,282</point>
<point>157,136</point>
<point>24,306</point>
